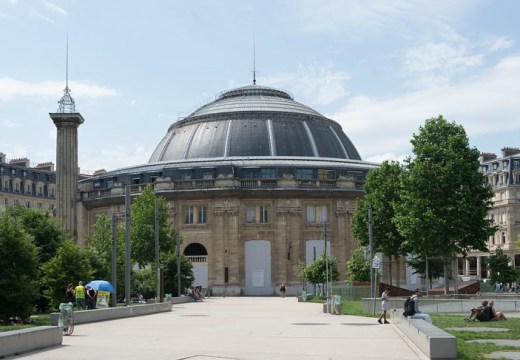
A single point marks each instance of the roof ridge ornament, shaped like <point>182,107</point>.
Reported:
<point>66,103</point>
<point>254,59</point>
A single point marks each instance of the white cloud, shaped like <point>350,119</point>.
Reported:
<point>436,63</point>
<point>501,44</point>
<point>35,14</point>
<point>491,97</point>
<point>8,124</point>
<point>12,89</point>
<point>362,19</point>
<point>318,84</point>
<point>111,158</point>
<point>54,8</point>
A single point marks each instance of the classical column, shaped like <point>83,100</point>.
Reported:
<point>479,267</point>
<point>67,168</point>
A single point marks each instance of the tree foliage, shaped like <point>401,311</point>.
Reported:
<point>358,268</point>
<point>99,246</point>
<point>70,265</point>
<point>316,271</point>
<point>382,193</point>
<point>435,267</point>
<point>19,274</point>
<point>169,261</point>
<point>46,233</point>
<point>500,268</point>
<point>143,227</point>
<point>444,202</point>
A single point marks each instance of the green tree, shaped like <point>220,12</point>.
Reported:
<point>435,267</point>
<point>500,268</point>
<point>143,282</point>
<point>358,268</point>
<point>316,271</point>
<point>46,234</point>
<point>99,246</point>
<point>70,265</point>
<point>19,275</point>
<point>382,192</point>
<point>143,227</point>
<point>444,200</point>
<point>169,261</point>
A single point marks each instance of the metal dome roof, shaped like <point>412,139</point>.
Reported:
<point>254,121</point>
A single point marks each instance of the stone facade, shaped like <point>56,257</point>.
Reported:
<point>503,174</point>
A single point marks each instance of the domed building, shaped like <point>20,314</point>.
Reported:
<point>256,183</point>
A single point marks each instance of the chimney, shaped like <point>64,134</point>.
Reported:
<point>2,157</point>
<point>47,166</point>
<point>507,151</point>
<point>20,162</point>
<point>486,157</point>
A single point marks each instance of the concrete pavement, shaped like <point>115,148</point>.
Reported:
<point>236,328</point>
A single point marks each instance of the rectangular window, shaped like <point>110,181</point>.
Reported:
<point>207,175</point>
<point>325,174</point>
<point>317,214</point>
<point>251,214</point>
<point>202,215</point>
<point>311,214</point>
<point>264,218</point>
<point>304,174</point>
<point>17,187</point>
<point>6,201</point>
<point>188,215</point>
<point>503,237</point>
<point>28,204</point>
<point>40,205</point>
<point>323,214</point>
<point>268,173</point>
<point>28,191</point>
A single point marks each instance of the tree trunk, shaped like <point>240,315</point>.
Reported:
<point>398,270</point>
<point>390,277</point>
<point>455,267</point>
<point>446,276</point>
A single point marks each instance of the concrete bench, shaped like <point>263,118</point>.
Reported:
<point>433,342</point>
<point>20,341</point>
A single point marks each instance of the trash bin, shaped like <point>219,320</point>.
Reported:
<point>66,320</point>
<point>336,305</point>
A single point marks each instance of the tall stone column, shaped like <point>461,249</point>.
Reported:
<point>67,121</point>
<point>67,168</point>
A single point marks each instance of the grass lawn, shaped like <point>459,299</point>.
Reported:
<point>475,351</point>
<point>39,320</point>
<point>465,350</point>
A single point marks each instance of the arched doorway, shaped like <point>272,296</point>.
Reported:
<point>198,255</point>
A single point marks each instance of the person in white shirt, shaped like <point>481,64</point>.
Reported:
<point>418,313</point>
<point>384,306</point>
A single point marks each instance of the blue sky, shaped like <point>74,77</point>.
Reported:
<point>379,68</point>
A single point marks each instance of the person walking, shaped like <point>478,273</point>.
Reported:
<point>69,294</point>
<point>282,289</point>
<point>80,296</point>
<point>384,306</point>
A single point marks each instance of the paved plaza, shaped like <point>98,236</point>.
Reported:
<point>236,328</point>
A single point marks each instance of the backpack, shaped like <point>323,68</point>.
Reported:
<point>409,307</point>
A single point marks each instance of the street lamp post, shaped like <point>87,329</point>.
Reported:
<point>178,249</point>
